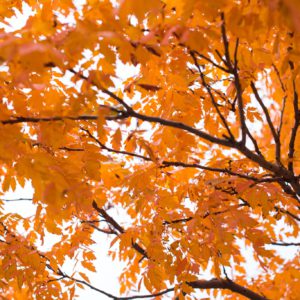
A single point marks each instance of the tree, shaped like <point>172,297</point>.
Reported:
<point>199,148</point>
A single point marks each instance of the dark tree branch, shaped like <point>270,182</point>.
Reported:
<point>284,211</point>
<point>108,218</point>
<point>285,174</point>
<point>16,120</point>
<point>287,189</point>
<point>236,145</point>
<point>281,117</point>
<point>207,214</point>
<point>104,147</point>
<point>106,231</point>
<point>71,149</point>
<point>269,121</point>
<point>284,244</point>
<point>55,279</point>
<point>294,129</point>
<point>227,285</point>
<point>16,200</point>
<point>165,163</point>
<point>102,89</point>
<point>246,203</point>
<point>221,58</point>
<point>119,228</point>
<point>184,220</point>
<point>235,63</point>
<point>214,283</point>
<point>226,44</point>
<point>65,148</point>
<point>151,119</point>
<point>254,142</point>
<point>279,77</point>
<point>111,296</point>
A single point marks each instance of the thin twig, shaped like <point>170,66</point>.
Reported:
<point>284,244</point>
<point>15,200</point>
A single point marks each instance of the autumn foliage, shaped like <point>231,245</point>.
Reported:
<point>171,126</point>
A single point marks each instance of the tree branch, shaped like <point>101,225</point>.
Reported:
<point>227,285</point>
<point>16,200</point>
<point>214,283</point>
<point>294,129</point>
<point>165,163</point>
<point>269,121</point>
<point>104,90</point>
<point>16,120</point>
<point>119,228</point>
<point>284,244</point>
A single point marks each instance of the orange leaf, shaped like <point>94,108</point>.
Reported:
<point>116,139</point>
<point>88,265</point>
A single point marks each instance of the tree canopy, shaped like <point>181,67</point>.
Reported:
<point>181,115</point>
